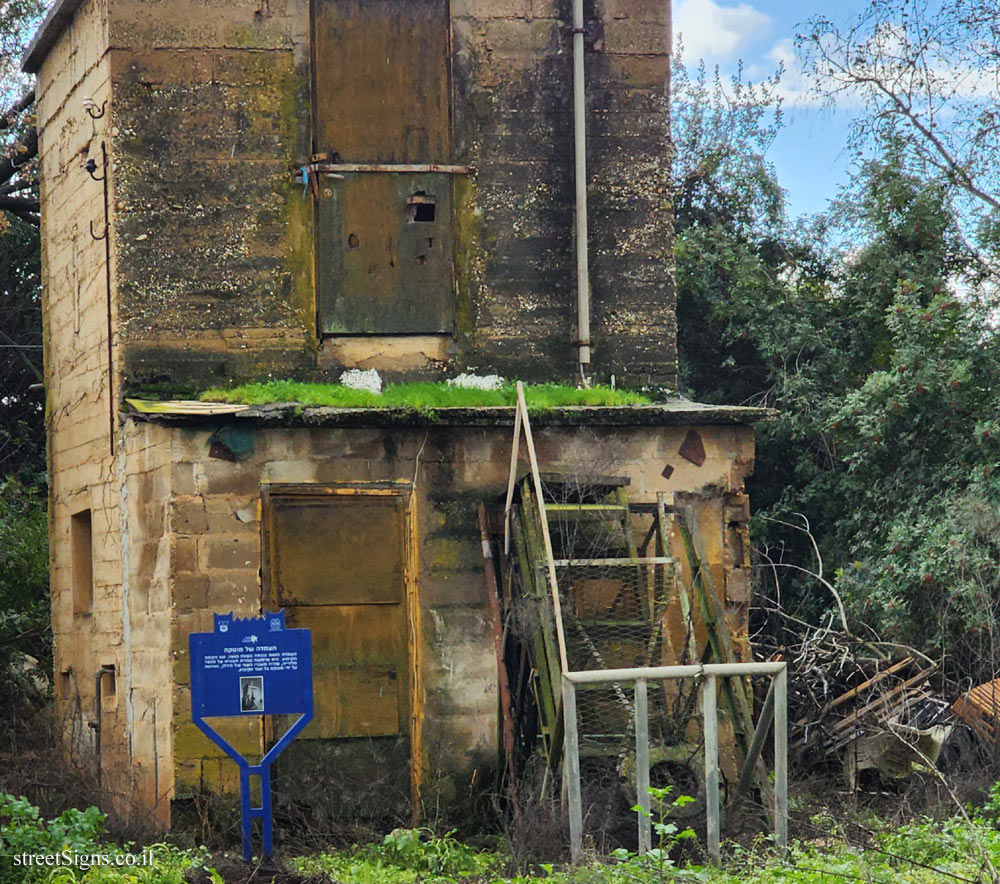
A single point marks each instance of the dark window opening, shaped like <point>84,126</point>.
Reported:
<point>82,545</point>
<point>109,687</point>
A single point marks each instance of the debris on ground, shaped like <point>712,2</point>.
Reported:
<point>870,705</point>
<point>979,708</point>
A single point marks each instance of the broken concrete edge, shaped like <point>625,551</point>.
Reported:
<point>60,15</point>
<point>678,412</point>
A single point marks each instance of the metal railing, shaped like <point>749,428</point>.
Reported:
<point>777,700</point>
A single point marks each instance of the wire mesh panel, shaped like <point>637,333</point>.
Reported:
<point>618,609</point>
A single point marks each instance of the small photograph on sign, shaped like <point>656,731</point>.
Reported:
<point>251,693</point>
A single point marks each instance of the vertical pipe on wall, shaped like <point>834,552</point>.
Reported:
<point>580,156</point>
<point>98,715</point>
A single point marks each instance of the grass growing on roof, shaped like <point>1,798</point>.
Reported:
<point>420,397</point>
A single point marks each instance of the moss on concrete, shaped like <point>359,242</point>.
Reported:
<point>420,396</point>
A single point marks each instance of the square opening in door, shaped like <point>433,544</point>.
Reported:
<point>421,208</point>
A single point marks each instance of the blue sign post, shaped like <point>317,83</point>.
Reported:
<point>252,667</point>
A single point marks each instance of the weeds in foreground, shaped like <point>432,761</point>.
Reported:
<point>924,852</point>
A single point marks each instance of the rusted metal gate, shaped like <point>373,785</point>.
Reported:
<point>381,99</point>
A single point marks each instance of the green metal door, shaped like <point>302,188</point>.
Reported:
<point>384,238</point>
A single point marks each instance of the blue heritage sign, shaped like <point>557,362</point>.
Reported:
<point>252,667</point>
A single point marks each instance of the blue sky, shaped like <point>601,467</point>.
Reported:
<point>810,154</point>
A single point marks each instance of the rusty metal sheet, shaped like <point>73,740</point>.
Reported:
<point>385,254</point>
<point>359,669</point>
<point>318,550</point>
<point>980,709</point>
<point>337,566</point>
<point>381,80</point>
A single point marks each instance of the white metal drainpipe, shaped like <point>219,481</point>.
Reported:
<point>580,153</point>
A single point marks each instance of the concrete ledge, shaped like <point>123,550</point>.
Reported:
<point>673,413</point>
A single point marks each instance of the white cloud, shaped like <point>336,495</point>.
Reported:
<point>716,32</point>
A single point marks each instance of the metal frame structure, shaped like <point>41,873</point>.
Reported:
<point>775,710</point>
<point>709,673</point>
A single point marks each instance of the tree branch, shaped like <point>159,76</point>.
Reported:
<point>16,109</point>
<point>9,166</point>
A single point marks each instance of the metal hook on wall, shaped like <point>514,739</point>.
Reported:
<point>90,106</point>
<point>91,167</point>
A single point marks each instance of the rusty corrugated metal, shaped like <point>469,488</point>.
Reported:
<point>980,709</point>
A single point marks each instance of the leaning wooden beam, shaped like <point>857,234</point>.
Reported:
<point>690,651</point>
<point>864,686</point>
<point>492,592</point>
<point>756,744</point>
<point>714,617</point>
<point>522,406</point>
<point>511,481</point>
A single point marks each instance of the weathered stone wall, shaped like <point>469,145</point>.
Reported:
<point>83,473</point>
<point>214,241</point>
<point>147,559</point>
<point>210,116</point>
<point>208,557</point>
<point>514,122</point>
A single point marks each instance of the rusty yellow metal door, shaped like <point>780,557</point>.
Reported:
<point>380,80</point>
<point>336,564</point>
<point>381,98</point>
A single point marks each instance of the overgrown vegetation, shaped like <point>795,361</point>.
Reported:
<point>23,533</point>
<point>873,332</point>
<point>421,397</point>
<point>924,852</point>
<point>24,573</point>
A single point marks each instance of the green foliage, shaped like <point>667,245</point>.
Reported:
<point>420,397</point>
<point>23,830</point>
<point>925,852</point>
<point>405,855</point>
<point>22,430</point>
<point>658,861</point>
<point>423,851</point>
<point>24,572</point>
<point>882,359</point>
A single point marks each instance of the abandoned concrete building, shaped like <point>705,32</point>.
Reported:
<point>253,189</point>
